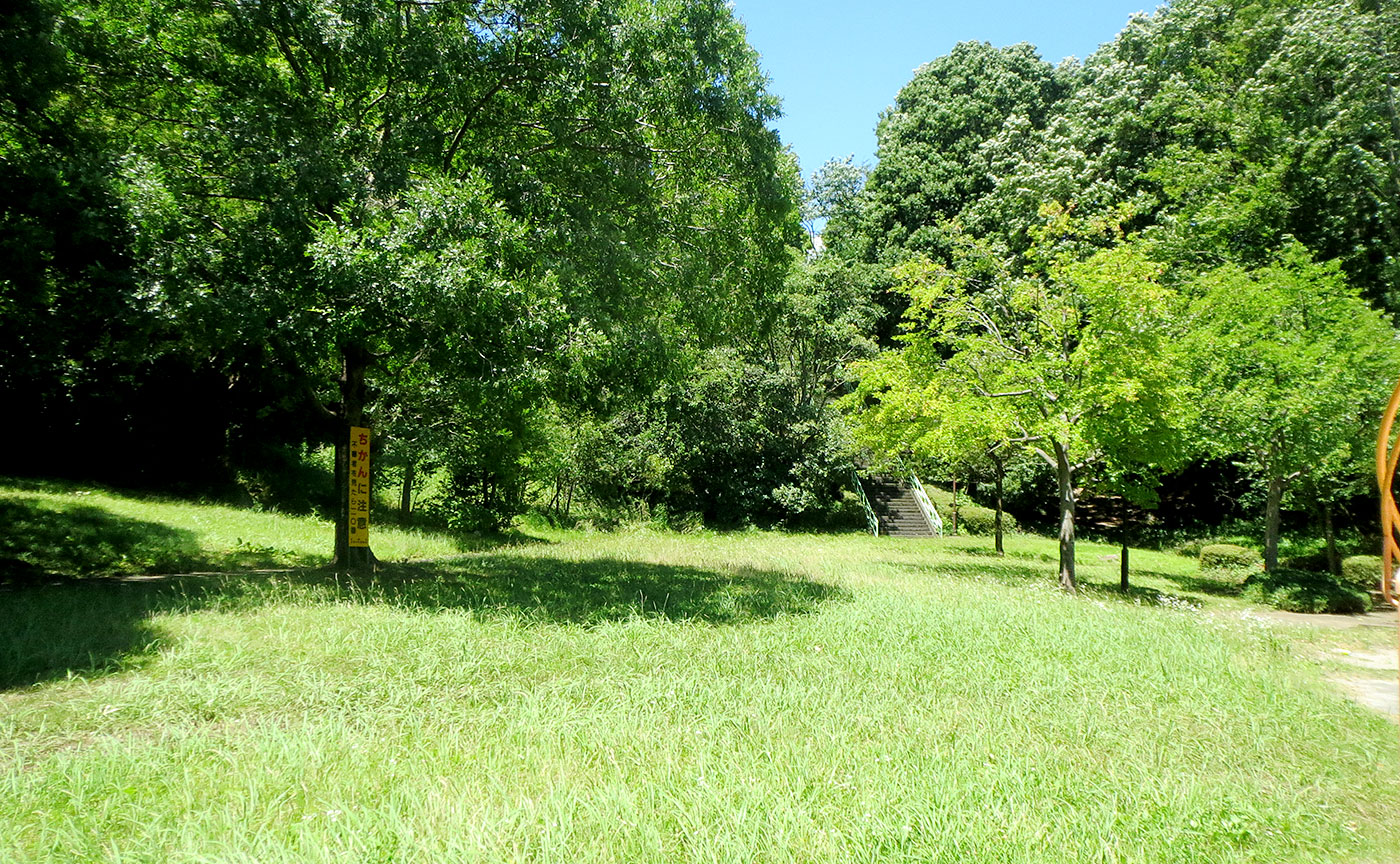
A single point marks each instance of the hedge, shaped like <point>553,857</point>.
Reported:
<point>1228,556</point>
<point>1362,572</point>
<point>972,518</point>
<point>1301,591</point>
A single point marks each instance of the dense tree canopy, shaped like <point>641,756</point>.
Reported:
<point>1294,370</point>
<point>477,206</point>
<point>931,142</point>
<point>1237,142</point>
<point>554,251</point>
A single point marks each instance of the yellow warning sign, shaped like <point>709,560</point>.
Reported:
<point>359,486</point>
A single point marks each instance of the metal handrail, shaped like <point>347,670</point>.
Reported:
<point>871,520</point>
<point>935,522</point>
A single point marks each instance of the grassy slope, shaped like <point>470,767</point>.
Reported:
<point>76,531</point>
<point>673,698</point>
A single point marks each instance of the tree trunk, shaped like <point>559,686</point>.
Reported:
<point>406,494</point>
<point>354,362</point>
<point>1334,562</point>
<point>1001,471</point>
<point>1123,545</point>
<point>1064,474</point>
<point>955,507</point>
<point>1273,508</point>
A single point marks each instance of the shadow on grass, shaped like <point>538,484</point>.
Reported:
<point>1204,584</point>
<point>43,538</point>
<point>97,626</point>
<point>40,541</point>
<point>487,541</point>
<point>1044,570</point>
<point>985,552</point>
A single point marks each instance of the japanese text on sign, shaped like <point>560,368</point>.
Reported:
<point>359,486</point>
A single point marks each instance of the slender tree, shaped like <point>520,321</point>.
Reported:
<point>1294,368</point>
<point>1071,357</point>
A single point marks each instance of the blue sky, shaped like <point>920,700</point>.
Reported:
<point>837,65</point>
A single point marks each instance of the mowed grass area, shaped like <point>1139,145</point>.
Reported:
<point>60,528</point>
<point>658,697</point>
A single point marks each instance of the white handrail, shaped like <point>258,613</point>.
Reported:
<point>935,522</point>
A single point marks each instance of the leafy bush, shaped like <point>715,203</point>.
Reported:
<point>1228,556</point>
<point>1362,572</point>
<point>972,518</point>
<point>1301,591</point>
<point>1315,561</point>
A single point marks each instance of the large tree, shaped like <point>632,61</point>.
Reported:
<point>293,167</point>
<point>1294,370</point>
<point>1227,129</point>
<point>931,162</point>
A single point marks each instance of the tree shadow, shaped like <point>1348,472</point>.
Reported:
<point>984,552</point>
<point>1203,584</point>
<point>41,542</point>
<point>78,627</point>
<point>99,626</point>
<point>1041,569</point>
<point>1008,569</point>
<point>597,590</point>
<point>469,542</point>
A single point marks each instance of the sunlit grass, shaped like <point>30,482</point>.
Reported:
<point>644,696</point>
<point>84,531</point>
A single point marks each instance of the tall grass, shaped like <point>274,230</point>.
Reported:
<point>658,697</point>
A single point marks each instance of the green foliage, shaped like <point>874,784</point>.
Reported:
<point>1073,359</point>
<point>1304,591</point>
<point>483,209</point>
<point>1362,572</point>
<point>930,143</point>
<point>832,197</point>
<point>733,442</point>
<point>973,518</point>
<point>1229,557</point>
<point>738,435</point>
<point>1227,136</point>
<point>291,480</point>
<point>1228,129</point>
<point>1294,368</point>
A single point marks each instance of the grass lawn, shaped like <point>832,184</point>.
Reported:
<point>660,697</point>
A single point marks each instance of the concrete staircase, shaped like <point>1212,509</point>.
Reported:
<point>895,507</point>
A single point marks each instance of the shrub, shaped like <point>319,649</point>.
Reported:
<point>972,518</point>
<point>1228,556</point>
<point>1315,561</point>
<point>1362,572</point>
<point>1190,547</point>
<point>1301,591</point>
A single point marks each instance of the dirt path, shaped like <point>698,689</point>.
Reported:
<point>1377,691</point>
<point>1331,622</point>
